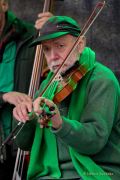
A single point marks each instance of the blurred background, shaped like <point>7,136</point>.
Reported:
<point>104,35</point>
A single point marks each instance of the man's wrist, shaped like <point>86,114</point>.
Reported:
<point>57,127</point>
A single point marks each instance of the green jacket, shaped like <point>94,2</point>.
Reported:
<point>24,57</point>
<point>94,132</point>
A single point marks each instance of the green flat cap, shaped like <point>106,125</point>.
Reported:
<point>55,27</point>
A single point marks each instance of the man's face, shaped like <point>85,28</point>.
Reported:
<point>56,50</point>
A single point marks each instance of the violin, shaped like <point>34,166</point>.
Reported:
<point>59,89</point>
<point>70,82</point>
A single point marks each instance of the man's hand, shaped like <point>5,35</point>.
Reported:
<point>42,18</point>
<point>15,98</point>
<point>20,112</point>
<point>38,106</point>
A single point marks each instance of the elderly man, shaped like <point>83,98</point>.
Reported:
<point>78,137</point>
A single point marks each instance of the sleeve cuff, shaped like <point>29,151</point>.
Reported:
<point>64,130</point>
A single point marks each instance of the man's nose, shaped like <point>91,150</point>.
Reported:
<point>53,55</point>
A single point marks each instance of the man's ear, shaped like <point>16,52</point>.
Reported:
<point>5,6</point>
<point>82,44</point>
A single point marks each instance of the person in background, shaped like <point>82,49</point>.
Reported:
<point>16,63</point>
<point>79,137</point>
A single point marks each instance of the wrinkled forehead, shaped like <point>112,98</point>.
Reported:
<point>65,38</point>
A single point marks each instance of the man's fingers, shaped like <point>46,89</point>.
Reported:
<point>40,22</point>
<point>18,115</point>
<point>46,14</point>
<point>23,97</point>
<point>36,105</point>
<point>16,98</point>
<point>42,18</point>
<point>21,111</point>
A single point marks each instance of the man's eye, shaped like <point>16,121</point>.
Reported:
<point>46,49</point>
<point>61,45</point>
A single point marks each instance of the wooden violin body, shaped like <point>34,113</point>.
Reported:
<point>70,83</point>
